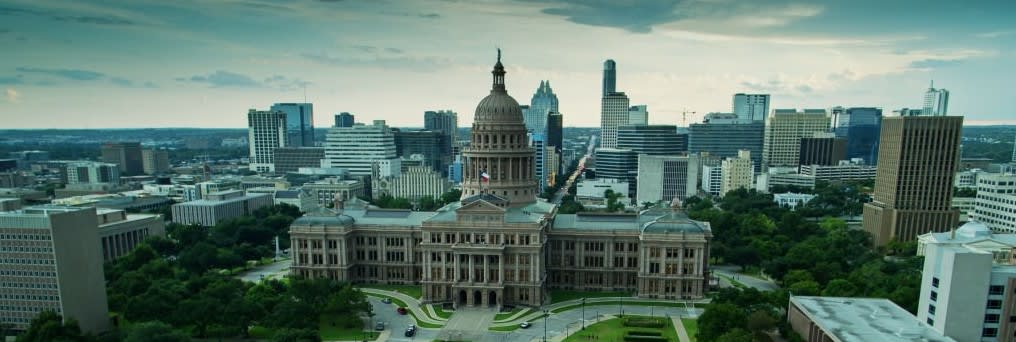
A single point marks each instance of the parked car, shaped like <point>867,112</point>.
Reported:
<point>386,300</point>
<point>410,332</point>
<point>379,326</point>
<point>401,310</point>
<point>524,325</point>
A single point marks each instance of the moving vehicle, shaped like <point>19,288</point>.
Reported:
<point>411,331</point>
<point>379,326</point>
<point>525,325</point>
<point>401,310</point>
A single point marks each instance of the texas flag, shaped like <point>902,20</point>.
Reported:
<point>485,176</point>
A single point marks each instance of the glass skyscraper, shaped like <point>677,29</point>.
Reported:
<point>609,77</point>
<point>299,123</point>
<point>543,103</point>
<point>936,101</point>
<point>753,107</point>
<point>861,127</point>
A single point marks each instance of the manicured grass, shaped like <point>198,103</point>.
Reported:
<point>442,313</point>
<point>622,304</point>
<point>414,291</point>
<point>336,332</point>
<point>691,326</point>
<point>614,330</point>
<point>734,282</point>
<point>505,315</point>
<point>557,296</point>
<point>514,326</point>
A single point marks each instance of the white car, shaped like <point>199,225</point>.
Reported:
<point>524,325</point>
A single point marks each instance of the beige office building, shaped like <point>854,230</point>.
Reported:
<point>784,131</point>
<point>737,172</point>
<point>155,161</point>
<point>120,232</point>
<point>917,161</point>
<point>50,259</point>
<point>500,245</point>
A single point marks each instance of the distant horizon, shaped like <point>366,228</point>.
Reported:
<point>245,128</point>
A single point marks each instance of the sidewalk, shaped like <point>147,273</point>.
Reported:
<point>681,333</point>
<point>537,313</point>
<point>412,303</point>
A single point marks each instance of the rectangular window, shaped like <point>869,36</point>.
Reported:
<point>994,304</point>
<point>934,295</point>
<point>934,282</point>
<point>989,332</point>
<point>991,318</point>
<point>996,289</point>
<point>931,321</point>
<point>931,309</point>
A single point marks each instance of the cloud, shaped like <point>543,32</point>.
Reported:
<point>13,96</point>
<point>427,63</point>
<point>285,83</point>
<point>18,79</point>
<point>934,63</point>
<point>70,74</point>
<point>123,82</point>
<point>228,79</point>
<point>67,17</point>
<point>429,15</point>
<point>639,18</point>
<point>993,34</point>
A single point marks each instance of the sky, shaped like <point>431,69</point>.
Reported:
<point>191,63</point>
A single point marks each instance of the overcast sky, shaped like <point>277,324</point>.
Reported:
<point>181,63</point>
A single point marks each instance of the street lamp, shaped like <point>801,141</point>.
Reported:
<point>583,314</point>
<point>620,307</point>
<point>545,314</point>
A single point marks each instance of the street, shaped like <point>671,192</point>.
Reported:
<point>578,172</point>
<point>276,270</point>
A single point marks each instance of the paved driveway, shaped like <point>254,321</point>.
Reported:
<point>397,323</point>
<point>276,270</point>
<point>757,283</point>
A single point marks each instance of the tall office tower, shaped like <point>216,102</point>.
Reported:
<point>613,113</point>
<point>446,121</point>
<point>266,131</point>
<point>754,107</point>
<point>657,140</point>
<point>682,140</point>
<point>52,261</point>
<point>428,144</point>
<point>499,164</point>
<point>936,101</point>
<point>299,123</point>
<point>664,178</point>
<point>125,154</point>
<point>88,172</point>
<point>555,130</point>
<point>155,161</point>
<point>638,115</point>
<point>356,148</point>
<point>543,103</point>
<point>996,201</point>
<point>291,159</point>
<point>737,173</point>
<point>538,142</point>
<point>712,179</point>
<point>784,130</point>
<point>344,119</point>
<point>860,127</point>
<point>823,149</point>
<point>455,170</point>
<point>1014,150</point>
<point>917,160</point>
<point>721,135</point>
<point>609,77</point>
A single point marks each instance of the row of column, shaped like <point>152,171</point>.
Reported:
<point>515,166</point>
<point>534,268</point>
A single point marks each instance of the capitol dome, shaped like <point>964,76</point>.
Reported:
<point>498,107</point>
<point>973,228</point>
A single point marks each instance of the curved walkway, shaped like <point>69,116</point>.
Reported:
<point>412,304</point>
<point>749,280</point>
<point>538,313</point>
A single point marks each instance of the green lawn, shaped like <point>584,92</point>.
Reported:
<point>442,313</point>
<point>398,303</point>
<point>734,282</point>
<point>619,305</point>
<point>414,291</point>
<point>329,331</point>
<point>557,296</point>
<point>614,330</point>
<point>505,315</point>
<point>691,326</point>
<point>515,326</point>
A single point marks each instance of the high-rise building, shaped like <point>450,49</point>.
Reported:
<point>754,107</point>
<point>155,161</point>
<point>822,149</point>
<point>543,103</point>
<point>299,123</point>
<point>996,201</point>
<point>52,260</point>
<point>428,144</point>
<point>609,77</point>
<point>445,121</point>
<point>860,127</point>
<point>664,178</point>
<point>1014,150</point>
<point>737,172</point>
<point>538,142</point>
<point>613,113</point>
<point>455,170</point>
<point>127,155</point>
<point>266,131</point>
<point>657,140</point>
<point>88,172</point>
<point>345,119</point>
<point>555,130</point>
<point>615,163</point>
<point>917,161</point>
<point>721,135</point>
<point>500,161</point>
<point>638,115</point>
<point>936,101</point>
<point>291,159</point>
<point>356,148</point>
<point>712,179</point>
<point>783,133</point>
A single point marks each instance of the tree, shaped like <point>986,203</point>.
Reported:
<point>719,319</point>
<point>154,331</point>
<point>734,335</point>
<point>761,321</point>
<point>840,288</point>
<point>296,335</point>
<point>805,288</point>
<point>451,196</point>
<point>50,326</point>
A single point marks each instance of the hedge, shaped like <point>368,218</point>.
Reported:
<point>645,333</point>
<point>637,338</point>
<point>644,323</point>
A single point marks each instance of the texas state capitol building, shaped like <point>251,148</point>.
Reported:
<point>500,245</point>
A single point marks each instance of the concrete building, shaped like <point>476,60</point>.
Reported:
<point>327,190</point>
<point>914,182</point>
<point>126,155</point>
<point>657,140</point>
<point>87,172</point>
<point>219,206</point>
<point>266,131</point>
<point>860,127</point>
<point>638,115</point>
<point>936,101</point>
<point>965,205</point>
<point>784,131</point>
<point>664,178</point>
<point>967,285</point>
<point>428,144</point>
<point>842,319</point>
<point>613,114</point>
<point>590,192</point>
<point>619,164</point>
<point>551,165</point>
<point>291,159</point>
<point>413,183</point>
<point>203,189</point>
<point>299,123</point>
<point>155,161</point>
<point>51,259</point>
<point>495,247</point>
<point>996,201</point>
<point>120,232</point>
<point>356,148</point>
<point>766,181</point>
<point>445,121</point>
<point>344,119</point>
<point>712,179</point>
<point>791,199</point>
<point>751,107</point>
<point>25,159</point>
<point>721,135</point>
<point>737,173</point>
<point>455,170</point>
<point>967,179</point>
<point>16,179</point>
<point>10,204</point>
<point>844,171</point>
<point>822,149</point>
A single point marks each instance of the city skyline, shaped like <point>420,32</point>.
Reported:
<point>131,64</point>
